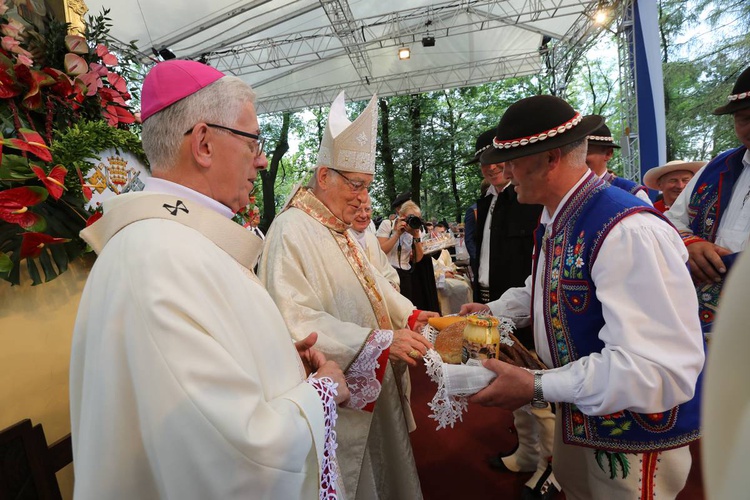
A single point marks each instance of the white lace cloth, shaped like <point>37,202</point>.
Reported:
<point>327,389</point>
<point>360,377</point>
<point>457,382</point>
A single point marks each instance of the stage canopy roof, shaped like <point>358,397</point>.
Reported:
<point>301,53</point>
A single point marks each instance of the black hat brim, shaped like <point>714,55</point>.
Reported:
<point>587,125</point>
<point>733,106</point>
<point>602,143</point>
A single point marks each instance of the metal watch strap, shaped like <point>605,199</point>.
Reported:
<point>538,400</point>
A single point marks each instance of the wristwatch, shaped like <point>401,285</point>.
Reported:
<point>538,400</point>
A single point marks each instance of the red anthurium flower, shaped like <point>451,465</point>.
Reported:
<point>35,80</point>
<point>99,69</point>
<point>63,85</point>
<point>92,81</point>
<point>8,86</point>
<point>116,114</point>
<point>117,82</point>
<point>75,65</point>
<point>107,58</point>
<point>15,203</point>
<point>76,44</point>
<point>111,96</point>
<point>32,142</point>
<point>97,215</point>
<point>52,181</point>
<point>33,243</point>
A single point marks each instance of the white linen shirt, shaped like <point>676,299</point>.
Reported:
<point>734,227</point>
<point>653,350</point>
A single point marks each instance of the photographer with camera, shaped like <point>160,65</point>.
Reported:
<point>402,244</point>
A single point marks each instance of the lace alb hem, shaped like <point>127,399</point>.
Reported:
<point>327,389</point>
<point>361,376</point>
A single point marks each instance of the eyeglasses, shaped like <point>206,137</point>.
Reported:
<point>261,140</point>
<point>355,186</point>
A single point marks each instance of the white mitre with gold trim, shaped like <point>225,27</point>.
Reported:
<point>350,146</point>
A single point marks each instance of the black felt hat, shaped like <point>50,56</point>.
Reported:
<point>538,124</point>
<point>602,137</point>
<point>401,199</point>
<point>484,142</point>
<point>740,98</point>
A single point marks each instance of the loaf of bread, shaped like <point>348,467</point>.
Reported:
<point>450,342</point>
<point>440,322</point>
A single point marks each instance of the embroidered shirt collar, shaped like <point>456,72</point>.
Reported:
<point>156,185</point>
<point>546,218</point>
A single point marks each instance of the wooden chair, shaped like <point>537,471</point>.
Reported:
<point>28,466</point>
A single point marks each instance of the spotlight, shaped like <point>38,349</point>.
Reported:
<point>404,53</point>
<point>164,53</point>
<point>600,17</point>
<point>428,41</point>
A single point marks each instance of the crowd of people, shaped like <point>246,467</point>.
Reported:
<point>194,377</point>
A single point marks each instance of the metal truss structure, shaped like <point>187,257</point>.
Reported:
<point>630,152</point>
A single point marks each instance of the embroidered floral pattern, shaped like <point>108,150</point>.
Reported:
<point>327,389</point>
<point>360,377</point>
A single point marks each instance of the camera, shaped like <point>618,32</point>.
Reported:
<point>413,221</point>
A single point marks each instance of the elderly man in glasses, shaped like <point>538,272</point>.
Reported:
<point>321,279</point>
<point>183,380</point>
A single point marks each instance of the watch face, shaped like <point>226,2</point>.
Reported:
<point>539,404</point>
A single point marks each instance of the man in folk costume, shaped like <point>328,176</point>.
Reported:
<point>361,232</point>
<point>183,380</point>
<point>505,239</point>
<point>713,212</point>
<point>601,148</point>
<point>613,315</point>
<point>671,179</point>
<point>320,279</point>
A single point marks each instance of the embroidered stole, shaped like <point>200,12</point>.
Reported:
<point>306,201</point>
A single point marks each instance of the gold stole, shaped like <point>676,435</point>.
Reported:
<point>306,201</point>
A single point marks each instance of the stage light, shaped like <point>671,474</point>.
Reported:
<point>601,16</point>
<point>428,41</point>
<point>404,53</point>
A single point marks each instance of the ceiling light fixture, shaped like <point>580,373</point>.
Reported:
<point>404,53</point>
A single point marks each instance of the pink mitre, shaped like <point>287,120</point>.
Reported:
<point>172,80</point>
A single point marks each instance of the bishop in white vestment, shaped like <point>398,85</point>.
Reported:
<point>184,382</point>
<point>321,280</point>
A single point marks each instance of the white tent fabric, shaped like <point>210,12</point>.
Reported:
<point>301,53</point>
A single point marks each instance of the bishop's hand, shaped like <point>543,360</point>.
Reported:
<point>312,359</point>
<point>408,346</point>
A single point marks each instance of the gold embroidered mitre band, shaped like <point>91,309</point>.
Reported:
<point>350,146</point>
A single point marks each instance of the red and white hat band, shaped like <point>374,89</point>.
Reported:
<point>525,141</point>
<point>739,97</point>
<point>601,138</point>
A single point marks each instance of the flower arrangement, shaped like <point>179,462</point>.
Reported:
<point>63,98</point>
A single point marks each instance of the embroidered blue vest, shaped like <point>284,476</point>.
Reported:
<point>706,206</point>
<point>573,319</point>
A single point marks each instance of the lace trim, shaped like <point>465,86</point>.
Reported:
<point>361,376</point>
<point>327,390</point>
<point>446,409</point>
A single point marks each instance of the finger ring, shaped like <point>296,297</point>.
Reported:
<point>413,354</point>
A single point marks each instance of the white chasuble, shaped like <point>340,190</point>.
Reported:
<point>313,270</point>
<point>184,382</point>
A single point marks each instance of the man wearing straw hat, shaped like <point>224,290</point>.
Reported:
<point>713,213</point>
<point>671,179</point>
<point>626,357</point>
